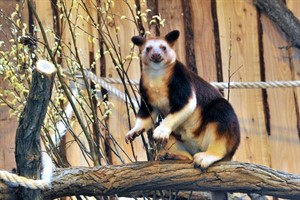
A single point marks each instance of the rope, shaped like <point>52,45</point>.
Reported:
<point>106,84</point>
<point>15,180</point>
<point>109,87</point>
<point>232,85</point>
<point>118,81</point>
<point>250,85</point>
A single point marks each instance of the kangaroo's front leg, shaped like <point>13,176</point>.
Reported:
<point>174,119</point>
<point>141,125</point>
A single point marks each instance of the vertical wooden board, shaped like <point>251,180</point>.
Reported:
<point>78,15</point>
<point>294,6</point>
<point>94,49</point>
<point>44,12</point>
<point>171,11</point>
<point>239,19</point>
<point>294,54</point>
<point>118,122</point>
<point>284,141</point>
<point>7,140</point>
<point>78,18</point>
<point>8,126</point>
<point>73,153</point>
<point>204,39</point>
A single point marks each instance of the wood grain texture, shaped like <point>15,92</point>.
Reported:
<point>204,40</point>
<point>118,121</point>
<point>46,16</point>
<point>76,156</point>
<point>188,23</point>
<point>28,149</point>
<point>238,21</point>
<point>283,139</point>
<point>283,17</point>
<point>126,180</point>
<point>171,11</point>
<point>7,124</point>
<point>153,6</point>
<point>7,192</point>
<point>294,55</point>
<point>7,140</point>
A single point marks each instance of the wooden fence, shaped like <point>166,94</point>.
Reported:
<point>230,39</point>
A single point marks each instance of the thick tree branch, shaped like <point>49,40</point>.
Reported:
<point>283,17</point>
<point>28,151</point>
<point>130,179</point>
<point>7,192</point>
<point>165,175</point>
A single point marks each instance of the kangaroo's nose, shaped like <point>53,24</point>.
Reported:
<point>156,57</point>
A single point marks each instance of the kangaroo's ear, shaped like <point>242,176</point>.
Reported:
<point>138,40</point>
<point>172,36</point>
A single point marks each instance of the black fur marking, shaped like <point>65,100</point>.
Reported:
<point>145,109</point>
<point>180,89</point>
<point>172,36</point>
<point>221,111</point>
<point>138,40</point>
<point>205,91</point>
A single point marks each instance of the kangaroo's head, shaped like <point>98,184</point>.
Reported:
<point>157,52</point>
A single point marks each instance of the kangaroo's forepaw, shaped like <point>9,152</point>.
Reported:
<point>161,133</point>
<point>132,134</point>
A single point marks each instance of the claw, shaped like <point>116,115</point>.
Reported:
<point>203,160</point>
<point>131,136</point>
<point>198,166</point>
<point>161,141</point>
<point>128,138</point>
<point>161,134</point>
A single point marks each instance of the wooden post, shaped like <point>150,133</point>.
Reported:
<point>28,149</point>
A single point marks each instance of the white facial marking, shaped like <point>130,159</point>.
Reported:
<point>157,54</point>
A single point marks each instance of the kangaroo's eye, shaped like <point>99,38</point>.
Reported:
<point>148,49</point>
<point>164,48</point>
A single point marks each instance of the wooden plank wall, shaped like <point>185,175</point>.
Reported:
<point>7,125</point>
<point>227,34</point>
<point>233,18</point>
<point>119,122</point>
<point>283,128</point>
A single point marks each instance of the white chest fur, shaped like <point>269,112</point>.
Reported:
<point>157,90</point>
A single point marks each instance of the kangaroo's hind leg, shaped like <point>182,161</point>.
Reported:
<point>215,148</point>
<point>174,150</point>
<point>220,133</point>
